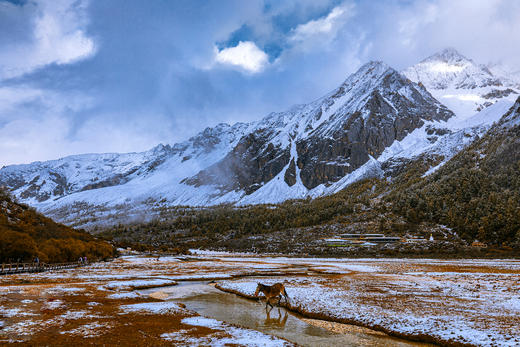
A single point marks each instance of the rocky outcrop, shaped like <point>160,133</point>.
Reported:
<point>333,136</point>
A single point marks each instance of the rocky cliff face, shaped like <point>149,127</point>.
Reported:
<point>331,137</point>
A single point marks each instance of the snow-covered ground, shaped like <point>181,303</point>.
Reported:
<point>469,302</point>
<point>236,336</point>
<point>474,302</point>
<point>100,303</point>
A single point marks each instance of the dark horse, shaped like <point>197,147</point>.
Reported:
<point>272,292</point>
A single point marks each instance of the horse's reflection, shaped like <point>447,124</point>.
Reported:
<point>279,321</point>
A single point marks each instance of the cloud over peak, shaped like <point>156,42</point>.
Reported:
<point>322,26</point>
<point>246,55</point>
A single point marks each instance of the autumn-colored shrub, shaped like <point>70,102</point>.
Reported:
<point>25,234</point>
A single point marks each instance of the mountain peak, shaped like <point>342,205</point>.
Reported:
<point>374,68</point>
<point>450,69</point>
<point>447,55</point>
<point>369,75</point>
<point>461,84</point>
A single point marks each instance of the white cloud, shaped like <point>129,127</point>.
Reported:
<point>325,26</point>
<point>246,55</point>
<point>58,36</point>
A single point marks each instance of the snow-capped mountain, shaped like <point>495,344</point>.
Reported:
<point>321,142</point>
<point>89,175</point>
<point>282,156</point>
<point>367,127</point>
<point>461,84</point>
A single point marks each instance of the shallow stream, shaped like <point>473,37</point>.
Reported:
<point>213,303</point>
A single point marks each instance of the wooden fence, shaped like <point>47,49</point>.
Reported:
<point>34,267</point>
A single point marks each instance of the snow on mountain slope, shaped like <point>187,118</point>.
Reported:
<point>40,181</point>
<point>444,139</point>
<point>277,190</point>
<point>509,76</point>
<point>285,155</point>
<point>376,119</point>
<point>321,142</point>
<point>117,178</point>
<point>512,117</point>
<point>434,138</point>
<point>461,84</point>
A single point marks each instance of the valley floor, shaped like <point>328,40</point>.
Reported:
<point>139,300</point>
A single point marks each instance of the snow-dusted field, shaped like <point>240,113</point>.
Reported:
<point>473,302</point>
<point>100,304</point>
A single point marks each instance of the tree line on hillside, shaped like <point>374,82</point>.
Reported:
<point>235,222</point>
<point>477,193</point>
<point>26,234</point>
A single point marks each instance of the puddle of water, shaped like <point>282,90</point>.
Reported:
<point>213,303</point>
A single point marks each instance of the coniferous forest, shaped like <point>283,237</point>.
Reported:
<point>475,196</point>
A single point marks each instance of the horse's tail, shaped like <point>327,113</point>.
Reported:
<point>285,294</point>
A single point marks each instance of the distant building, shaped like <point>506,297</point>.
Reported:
<point>361,239</point>
<point>478,244</point>
<point>360,236</point>
<point>415,240</point>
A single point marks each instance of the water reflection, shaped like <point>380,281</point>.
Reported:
<point>212,303</point>
<point>279,321</point>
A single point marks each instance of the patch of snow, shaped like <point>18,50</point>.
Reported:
<point>89,330</point>
<point>53,305</point>
<point>166,307</point>
<point>71,315</point>
<point>139,283</point>
<point>124,295</point>
<point>14,312</point>
<point>235,335</point>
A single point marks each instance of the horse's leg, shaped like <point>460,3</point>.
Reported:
<point>266,302</point>
<point>269,303</point>
<point>286,297</point>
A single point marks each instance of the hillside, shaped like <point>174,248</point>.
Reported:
<point>473,196</point>
<point>477,193</point>
<point>25,234</point>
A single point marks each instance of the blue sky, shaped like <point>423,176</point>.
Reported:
<point>80,76</point>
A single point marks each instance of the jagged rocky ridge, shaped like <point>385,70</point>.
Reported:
<point>321,142</point>
<point>369,126</point>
